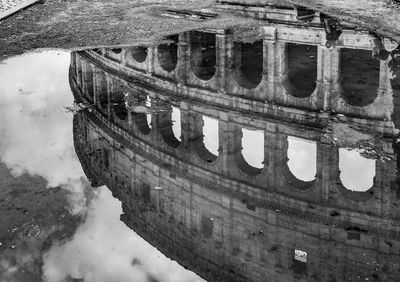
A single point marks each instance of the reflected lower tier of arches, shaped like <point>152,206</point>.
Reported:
<point>230,230</point>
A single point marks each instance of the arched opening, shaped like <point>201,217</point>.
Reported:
<point>253,147</point>
<point>166,124</point>
<point>207,144</point>
<point>211,135</point>
<point>248,63</point>
<point>176,123</point>
<point>357,172</point>
<point>168,54</point>
<point>203,56</point>
<point>302,158</point>
<point>359,76</point>
<point>139,54</point>
<point>301,69</point>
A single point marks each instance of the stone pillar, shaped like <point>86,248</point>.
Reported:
<point>328,77</point>
<point>385,92</point>
<point>150,60</point>
<point>270,155</point>
<point>327,158</point>
<point>95,88</point>
<point>183,64</point>
<point>269,60</point>
<point>281,72</point>
<point>84,79</point>
<point>230,142</point>
<point>224,46</point>
<point>109,91</point>
<point>123,56</point>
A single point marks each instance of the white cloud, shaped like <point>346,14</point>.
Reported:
<point>103,249</point>
<point>36,138</point>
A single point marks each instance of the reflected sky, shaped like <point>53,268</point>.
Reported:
<point>176,123</point>
<point>210,132</point>
<point>302,155</point>
<point>36,138</point>
<point>104,249</point>
<point>356,172</point>
<point>35,128</point>
<point>253,147</point>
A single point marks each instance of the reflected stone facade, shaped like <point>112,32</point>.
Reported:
<point>216,214</point>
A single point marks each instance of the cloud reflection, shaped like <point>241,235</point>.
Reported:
<point>36,138</point>
<point>105,249</point>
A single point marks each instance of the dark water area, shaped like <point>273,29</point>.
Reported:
<point>207,157</point>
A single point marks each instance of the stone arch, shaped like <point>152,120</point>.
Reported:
<point>300,166</point>
<point>203,55</point>
<point>139,54</point>
<point>166,127</point>
<point>207,146</point>
<point>356,172</point>
<point>302,69</point>
<point>359,76</point>
<point>251,159</point>
<point>168,54</point>
<point>248,63</point>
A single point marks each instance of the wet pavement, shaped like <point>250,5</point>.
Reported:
<point>9,7</point>
<point>206,157</point>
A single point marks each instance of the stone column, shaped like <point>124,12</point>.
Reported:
<point>328,77</point>
<point>183,64</point>
<point>109,93</point>
<point>150,60</point>
<point>224,46</point>
<point>327,158</point>
<point>269,61</point>
<point>230,142</point>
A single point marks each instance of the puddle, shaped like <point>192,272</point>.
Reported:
<point>208,157</point>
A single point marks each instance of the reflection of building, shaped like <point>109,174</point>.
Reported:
<point>211,66</point>
<point>216,214</point>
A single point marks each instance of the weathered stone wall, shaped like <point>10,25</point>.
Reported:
<point>231,236</point>
<point>276,91</point>
<point>220,210</point>
<point>275,176</point>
